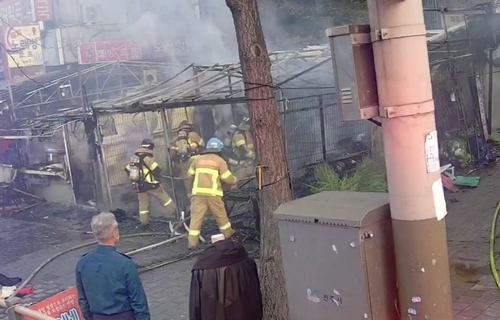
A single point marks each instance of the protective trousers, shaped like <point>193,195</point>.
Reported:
<point>158,193</point>
<point>188,182</point>
<point>200,205</point>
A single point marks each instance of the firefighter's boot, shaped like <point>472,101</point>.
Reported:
<point>228,233</point>
<point>144,218</point>
<point>193,242</point>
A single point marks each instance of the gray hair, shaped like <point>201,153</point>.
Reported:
<point>103,225</point>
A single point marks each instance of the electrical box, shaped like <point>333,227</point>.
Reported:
<point>354,69</point>
<point>338,256</point>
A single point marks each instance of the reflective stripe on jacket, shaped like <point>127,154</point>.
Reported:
<point>244,139</point>
<point>149,177</point>
<point>208,171</point>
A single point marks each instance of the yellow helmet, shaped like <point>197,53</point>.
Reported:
<point>185,125</point>
<point>245,124</point>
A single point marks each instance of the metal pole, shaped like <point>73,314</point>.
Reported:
<point>233,105</point>
<point>416,193</point>
<point>11,106</point>
<point>68,159</point>
<point>166,129</point>
<point>104,163</point>
<point>490,91</point>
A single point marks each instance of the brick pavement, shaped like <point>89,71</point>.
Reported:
<point>471,303</point>
<point>167,287</point>
<point>168,290</point>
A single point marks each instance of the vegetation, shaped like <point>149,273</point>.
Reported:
<point>303,22</point>
<point>367,177</point>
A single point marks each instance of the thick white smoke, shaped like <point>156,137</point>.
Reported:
<point>203,34</point>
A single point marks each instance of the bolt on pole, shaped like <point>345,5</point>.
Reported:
<point>416,194</point>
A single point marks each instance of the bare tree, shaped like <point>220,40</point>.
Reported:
<point>266,123</point>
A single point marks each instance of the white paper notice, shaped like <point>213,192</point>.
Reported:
<point>439,201</point>
<point>432,152</point>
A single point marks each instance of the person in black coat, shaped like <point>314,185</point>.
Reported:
<point>225,284</point>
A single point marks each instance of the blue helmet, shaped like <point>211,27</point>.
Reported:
<point>215,144</point>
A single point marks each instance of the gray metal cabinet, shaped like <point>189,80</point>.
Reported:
<point>338,256</point>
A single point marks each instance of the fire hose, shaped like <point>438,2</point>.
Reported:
<point>493,264</point>
<point>87,244</point>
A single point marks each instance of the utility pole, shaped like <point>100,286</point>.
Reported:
<point>412,158</point>
<point>274,182</point>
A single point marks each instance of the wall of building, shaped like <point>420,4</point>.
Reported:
<point>85,21</point>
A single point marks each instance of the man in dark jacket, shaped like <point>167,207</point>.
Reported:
<point>225,284</point>
<point>107,281</point>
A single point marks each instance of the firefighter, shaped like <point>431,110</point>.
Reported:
<point>187,146</point>
<point>240,144</point>
<point>144,172</point>
<point>209,170</point>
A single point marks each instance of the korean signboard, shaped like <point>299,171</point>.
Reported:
<point>42,10</point>
<point>63,306</point>
<point>451,20</point>
<point>23,12</point>
<point>109,51</point>
<point>176,47</point>
<point>24,46</point>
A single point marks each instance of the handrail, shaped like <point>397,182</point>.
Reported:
<point>27,312</point>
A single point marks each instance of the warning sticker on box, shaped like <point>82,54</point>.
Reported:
<point>432,152</point>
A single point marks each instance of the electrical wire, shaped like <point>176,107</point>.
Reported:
<point>21,69</point>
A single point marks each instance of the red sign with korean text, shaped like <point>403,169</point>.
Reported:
<point>42,11</point>
<point>63,306</point>
<point>15,13</point>
<point>109,51</point>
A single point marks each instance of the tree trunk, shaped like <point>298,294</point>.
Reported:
<point>266,124</point>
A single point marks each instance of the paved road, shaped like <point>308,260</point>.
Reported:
<point>27,244</point>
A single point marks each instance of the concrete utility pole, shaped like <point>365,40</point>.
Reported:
<point>412,158</point>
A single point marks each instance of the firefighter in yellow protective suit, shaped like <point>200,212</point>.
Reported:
<point>241,156</point>
<point>186,147</point>
<point>144,172</point>
<point>209,170</point>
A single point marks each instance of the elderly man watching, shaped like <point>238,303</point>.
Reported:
<point>109,287</point>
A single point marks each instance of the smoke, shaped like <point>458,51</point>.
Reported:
<point>175,28</point>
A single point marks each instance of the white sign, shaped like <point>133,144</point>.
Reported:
<point>439,201</point>
<point>432,152</point>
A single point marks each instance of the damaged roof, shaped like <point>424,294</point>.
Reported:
<point>211,85</point>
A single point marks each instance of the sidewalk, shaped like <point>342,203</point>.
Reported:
<point>475,296</point>
<point>168,290</point>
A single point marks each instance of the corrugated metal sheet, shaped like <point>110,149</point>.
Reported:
<point>433,20</point>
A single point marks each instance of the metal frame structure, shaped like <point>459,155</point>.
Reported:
<point>100,82</point>
<point>194,85</point>
<point>177,87</point>
<point>212,84</point>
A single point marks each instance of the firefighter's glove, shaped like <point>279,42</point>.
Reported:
<point>245,163</point>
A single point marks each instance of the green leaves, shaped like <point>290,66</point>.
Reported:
<point>367,177</point>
